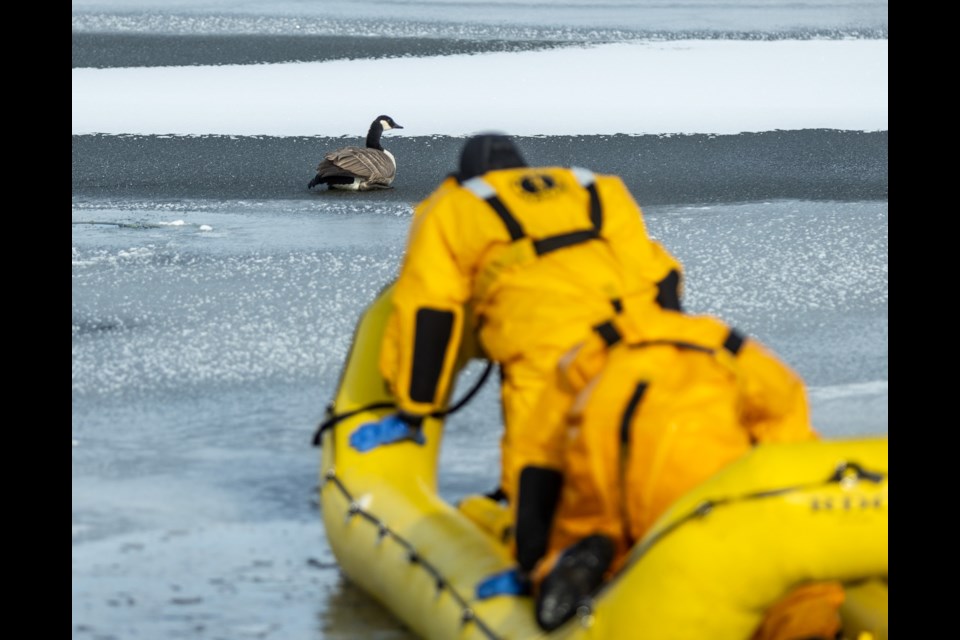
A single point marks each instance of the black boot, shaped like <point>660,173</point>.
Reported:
<point>577,574</point>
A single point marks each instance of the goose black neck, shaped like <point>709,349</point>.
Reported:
<point>373,136</point>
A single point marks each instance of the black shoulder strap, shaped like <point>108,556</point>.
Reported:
<point>734,341</point>
<point>482,189</point>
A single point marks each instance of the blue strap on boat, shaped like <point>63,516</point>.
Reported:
<point>333,418</point>
<point>505,583</point>
<point>389,430</point>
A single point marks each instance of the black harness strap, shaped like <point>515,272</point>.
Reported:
<point>479,187</point>
<point>680,344</point>
<point>596,211</point>
<point>625,421</point>
<point>562,240</point>
<point>630,411</point>
<point>608,332</point>
<point>734,341</point>
<point>511,223</point>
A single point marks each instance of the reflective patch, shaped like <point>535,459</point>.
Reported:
<point>584,176</point>
<point>480,188</point>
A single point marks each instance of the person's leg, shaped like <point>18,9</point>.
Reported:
<point>495,512</point>
<point>520,393</point>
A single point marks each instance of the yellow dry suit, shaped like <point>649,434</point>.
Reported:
<point>520,263</point>
<point>639,414</point>
<point>642,412</point>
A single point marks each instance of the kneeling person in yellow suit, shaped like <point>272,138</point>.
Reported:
<point>639,414</point>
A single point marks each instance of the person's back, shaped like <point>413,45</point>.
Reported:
<point>526,291</point>
<point>638,415</point>
<point>535,256</point>
<point>679,399</point>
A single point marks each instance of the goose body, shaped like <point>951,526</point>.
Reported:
<point>360,168</point>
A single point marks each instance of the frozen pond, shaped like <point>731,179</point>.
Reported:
<point>214,297</point>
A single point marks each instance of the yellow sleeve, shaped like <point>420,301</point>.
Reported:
<point>419,354</point>
<point>775,407</point>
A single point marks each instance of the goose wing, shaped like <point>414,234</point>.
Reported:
<point>372,164</point>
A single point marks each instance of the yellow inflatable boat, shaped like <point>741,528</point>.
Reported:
<point>713,564</point>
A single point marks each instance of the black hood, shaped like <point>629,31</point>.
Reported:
<point>488,152</point>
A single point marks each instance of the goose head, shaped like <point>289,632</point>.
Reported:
<point>386,123</point>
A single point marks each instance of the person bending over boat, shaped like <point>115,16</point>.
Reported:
<point>637,415</point>
<point>519,261</point>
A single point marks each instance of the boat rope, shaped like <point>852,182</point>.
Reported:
<point>332,418</point>
<point>844,473</point>
<point>467,614</point>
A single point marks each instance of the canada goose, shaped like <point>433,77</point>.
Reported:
<point>360,168</point>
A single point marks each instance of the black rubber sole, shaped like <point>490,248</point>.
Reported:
<point>579,572</point>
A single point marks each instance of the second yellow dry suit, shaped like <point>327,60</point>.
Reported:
<point>639,414</point>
